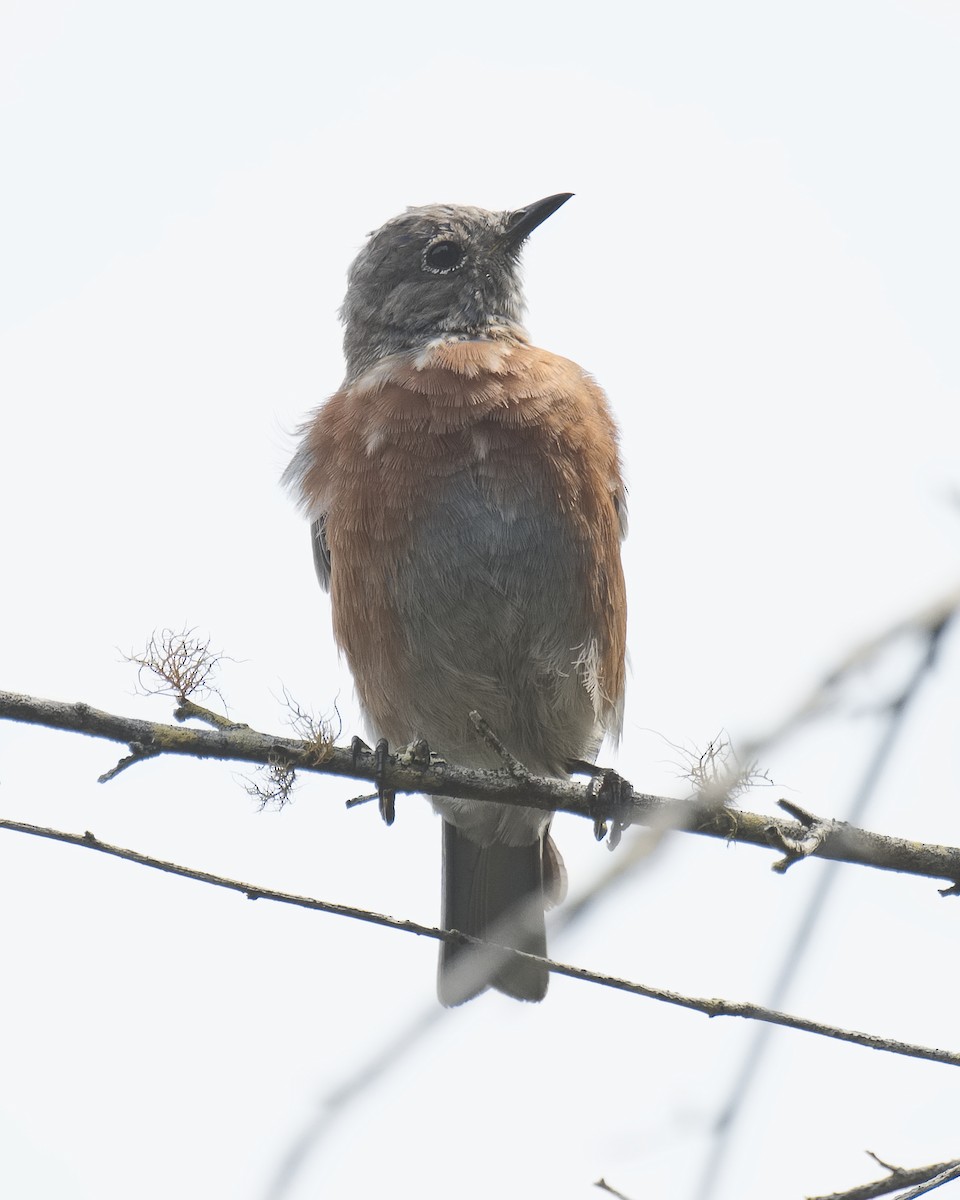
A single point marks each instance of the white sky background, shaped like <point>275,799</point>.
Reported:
<point>761,267</point>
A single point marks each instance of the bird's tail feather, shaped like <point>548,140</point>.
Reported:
<point>495,893</point>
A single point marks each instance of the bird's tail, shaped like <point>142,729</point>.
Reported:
<point>495,893</point>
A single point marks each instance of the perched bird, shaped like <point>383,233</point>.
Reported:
<point>467,509</point>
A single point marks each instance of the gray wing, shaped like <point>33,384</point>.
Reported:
<point>321,553</point>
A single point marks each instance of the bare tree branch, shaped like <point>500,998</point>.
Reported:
<point>336,1102</point>
<point>938,1181</point>
<point>930,627</point>
<point>898,1178</point>
<point>150,739</point>
<point>709,1007</point>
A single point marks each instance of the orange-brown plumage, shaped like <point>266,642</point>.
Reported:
<point>467,506</point>
<point>531,426</point>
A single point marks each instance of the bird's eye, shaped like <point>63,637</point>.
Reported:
<point>442,257</point>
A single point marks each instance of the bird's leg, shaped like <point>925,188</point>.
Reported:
<point>386,797</point>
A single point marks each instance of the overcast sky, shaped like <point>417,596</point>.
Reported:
<point>760,266</point>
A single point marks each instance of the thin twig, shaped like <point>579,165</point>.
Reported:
<point>513,764</point>
<point>709,1007</point>
<point>138,754</point>
<point>334,1105</point>
<point>933,627</point>
<point>816,831</point>
<point>927,623</point>
<point>611,1191</point>
<point>189,710</point>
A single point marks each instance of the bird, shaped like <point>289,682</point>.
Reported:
<point>467,505</point>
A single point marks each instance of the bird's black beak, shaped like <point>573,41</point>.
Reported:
<point>524,221</point>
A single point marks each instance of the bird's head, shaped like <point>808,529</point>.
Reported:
<point>445,269</point>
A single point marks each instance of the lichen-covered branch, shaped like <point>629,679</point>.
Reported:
<point>407,774</point>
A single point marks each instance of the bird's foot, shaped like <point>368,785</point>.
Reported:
<point>609,795</point>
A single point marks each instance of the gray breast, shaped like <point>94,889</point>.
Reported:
<point>491,597</point>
